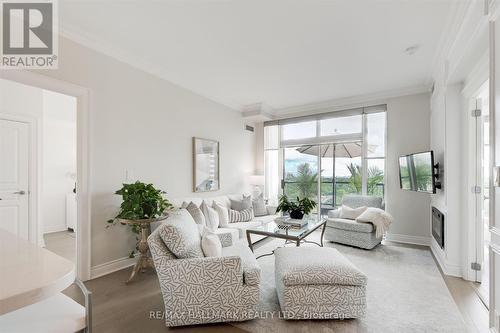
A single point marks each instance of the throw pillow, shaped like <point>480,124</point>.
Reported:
<point>184,204</point>
<point>196,213</point>
<point>242,204</point>
<point>243,216</point>
<point>180,234</point>
<point>211,244</point>
<point>223,214</point>
<point>351,213</point>
<point>211,216</point>
<point>259,206</point>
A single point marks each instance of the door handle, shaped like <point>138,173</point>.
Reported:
<point>20,192</point>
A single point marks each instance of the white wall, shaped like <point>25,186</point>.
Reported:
<point>143,124</point>
<point>59,158</point>
<point>450,142</point>
<point>408,131</point>
<point>20,99</point>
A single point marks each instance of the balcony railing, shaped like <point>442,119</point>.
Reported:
<point>330,200</point>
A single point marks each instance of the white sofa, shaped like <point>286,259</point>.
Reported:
<point>235,231</point>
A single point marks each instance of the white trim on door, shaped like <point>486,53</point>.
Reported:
<point>83,163</point>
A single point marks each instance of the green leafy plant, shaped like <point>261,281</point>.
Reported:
<point>296,209</point>
<point>140,201</point>
<point>306,180</point>
<point>375,177</point>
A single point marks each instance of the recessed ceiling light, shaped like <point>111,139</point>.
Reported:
<point>412,49</point>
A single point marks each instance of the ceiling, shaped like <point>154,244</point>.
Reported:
<point>280,54</point>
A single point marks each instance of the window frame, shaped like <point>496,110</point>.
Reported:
<point>333,139</point>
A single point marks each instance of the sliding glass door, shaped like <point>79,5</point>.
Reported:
<point>300,174</point>
<point>326,156</point>
<point>338,166</point>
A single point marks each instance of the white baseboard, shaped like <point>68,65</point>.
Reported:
<point>111,266</point>
<point>408,239</point>
<point>54,228</point>
<point>447,267</point>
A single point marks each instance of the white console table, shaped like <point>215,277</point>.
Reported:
<point>31,281</point>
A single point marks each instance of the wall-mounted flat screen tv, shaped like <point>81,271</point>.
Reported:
<point>417,172</point>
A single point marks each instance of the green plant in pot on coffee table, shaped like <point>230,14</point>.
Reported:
<point>297,209</point>
<point>142,204</point>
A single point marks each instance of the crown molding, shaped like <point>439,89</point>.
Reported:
<point>257,112</point>
<point>452,26</point>
<point>461,31</point>
<point>493,9</point>
<point>352,101</point>
<point>80,37</point>
<point>450,36</point>
<point>477,77</point>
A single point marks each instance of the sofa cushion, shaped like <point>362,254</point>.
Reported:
<point>196,213</point>
<point>349,225</point>
<point>355,201</point>
<point>259,206</point>
<point>241,204</point>
<point>243,226</point>
<point>347,212</point>
<point>240,216</point>
<point>211,244</point>
<point>227,236</point>
<point>211,216</point>
<point>223,214</point>
<point>315,266</point>
<point>220,199</point>
<point>264,219</point>
<point>180,234</point>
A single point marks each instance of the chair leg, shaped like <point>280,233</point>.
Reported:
<point>88,305</point>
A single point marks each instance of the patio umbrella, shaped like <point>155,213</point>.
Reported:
<point>350,149</point>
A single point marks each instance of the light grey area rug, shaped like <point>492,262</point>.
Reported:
<point>405,293</point>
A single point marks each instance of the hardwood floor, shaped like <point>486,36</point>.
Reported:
<point>135,307</point>
<point>470,305</point>
<point>62,243</point>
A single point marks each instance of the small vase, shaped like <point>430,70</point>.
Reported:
<point>296,214</point>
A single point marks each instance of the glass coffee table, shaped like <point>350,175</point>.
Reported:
<point>290,235</point>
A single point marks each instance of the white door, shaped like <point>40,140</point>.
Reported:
<point>14,166</point>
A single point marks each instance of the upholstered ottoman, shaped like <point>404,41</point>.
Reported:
<point>318,283</point>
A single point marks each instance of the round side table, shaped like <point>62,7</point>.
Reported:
<point>144,261</point>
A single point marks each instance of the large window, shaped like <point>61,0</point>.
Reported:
<point>327,156</point>
<point>341,125</point>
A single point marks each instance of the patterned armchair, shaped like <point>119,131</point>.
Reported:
<point>207,289</point>
<point>350,232</point>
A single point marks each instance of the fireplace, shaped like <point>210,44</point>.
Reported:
<point>438,226</point>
